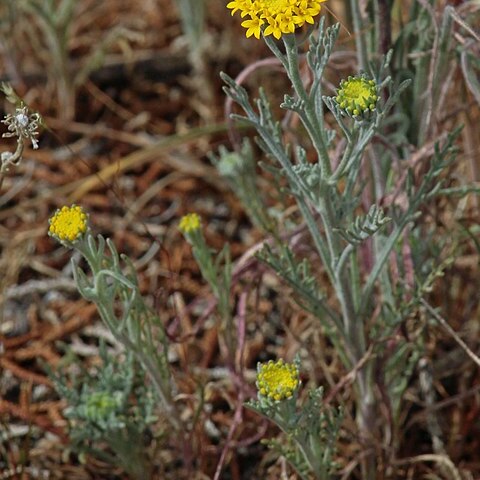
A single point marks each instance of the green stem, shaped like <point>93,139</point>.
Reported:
<point>359,29</point>
<point>353,327</point>
<point>379,239</point>
<point>380,262</point>
<point>355,280</point>
<point>366,417</point>
<point>310,119</point>
<point>346,158</point>
<point>317,238</point>
<point>355,337</point>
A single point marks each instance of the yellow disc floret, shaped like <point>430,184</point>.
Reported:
<point>357,95</point>
<point>189,223</point>
<point>277,380</point>
<point>68,224</point>
<point>277,16</point>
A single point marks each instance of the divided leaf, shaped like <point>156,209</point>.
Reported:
<point>365,226</point>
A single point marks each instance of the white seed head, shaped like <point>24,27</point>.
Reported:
<point>22,119</point>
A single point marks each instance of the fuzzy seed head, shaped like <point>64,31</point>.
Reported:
<point>23,124</point>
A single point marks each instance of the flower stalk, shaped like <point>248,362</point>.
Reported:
<point>137,327</point>
<point>216,271</point>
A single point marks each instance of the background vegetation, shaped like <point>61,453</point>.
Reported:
<point>132,106</point>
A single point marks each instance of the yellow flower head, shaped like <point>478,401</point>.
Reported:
<point>277,380</point>
<point>357,95</point>
<point>68,224</point>
<point>277,16</point>
<point>189,223</point>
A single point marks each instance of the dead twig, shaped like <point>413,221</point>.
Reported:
<point>451,331</point>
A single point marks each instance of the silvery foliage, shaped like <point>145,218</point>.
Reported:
<point>111,404</point>
<point>328,195</point>
<point>115,291</point>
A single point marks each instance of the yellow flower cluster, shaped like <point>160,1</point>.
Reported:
<point>357,95</point>
<point>277,16</point>
<point>277,380</point>
<point>189,223</point>
<point>68,223</point>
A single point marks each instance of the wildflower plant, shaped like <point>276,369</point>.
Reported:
<point>359,213</point>
<point>330,195</point>
<point>216,269</point>
<point>111,405</point>
<point>115,291</point>
<point>311,431</point>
